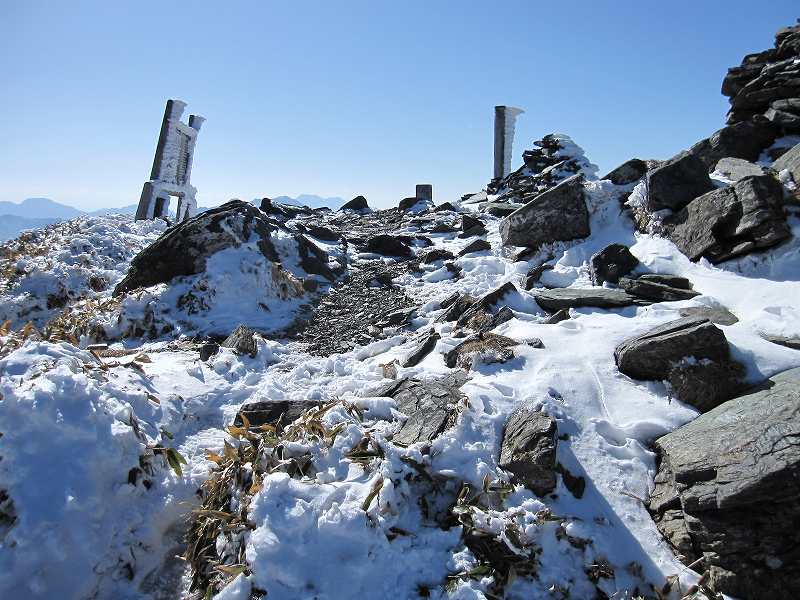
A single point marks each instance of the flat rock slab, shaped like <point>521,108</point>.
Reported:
<point>718,315</point>
<point>737,168</point>
<point>430,406</point>
<point>563,298</point>
<point>727,488</point>
<point>528,449</point>
<point>652,355</point>
<point>559,214</point>
<point>279,412</point>
<point>654,290</point>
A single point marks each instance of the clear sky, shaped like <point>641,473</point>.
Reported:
<point>353,96</point>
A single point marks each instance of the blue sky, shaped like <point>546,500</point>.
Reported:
<point>353,97</point>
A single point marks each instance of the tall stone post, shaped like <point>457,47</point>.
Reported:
<point>505,118</point>
<point>424,192</point>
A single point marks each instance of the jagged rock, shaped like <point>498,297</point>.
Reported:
<point>653,355</point>
<point>745,140</point>
<point>628,172</point>
<point>471,226</point>
<point>442,227</point>
<point>559,214</point>
<point>275,413</point>
<point>430,406</point>
<point>528,449</point>
<point>409,203</point>
<point>479,313</point>
<point>732,221</point>
<point>242,341</point>
<point>783,119</point>
<point>445,206</point>
<point>357,203</point>
<point>737,168</point>
<point>184,248</point>
<point>208,350</point>
<point>457,308</point>
<point>557,299</point>
<point>313,259</point>
<point>790,162</point>
<point>611,263</point>
<point>388,245</point>
<point>677,182</point>
<point>436,254</point>
<point>421,351</point>
<point>484,348</point>
<point>397,318</point>
<point>557,317</point>
<point>718,315</point>
<point>323,233</point>
<point>727,488</point>
<point>652,290</point>
<point>476,246</point>
<point>534,274</point>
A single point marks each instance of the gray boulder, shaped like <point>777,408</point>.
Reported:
<point>242,341</point>
<point>729,222</point>
<point>559,214</point>
<point>388,245</point>
<point>746,140</point>
<point>677,182</point>
<point>471,226</point>
<point>561,298</point>
<point>528,449</point>
<point>718,315</point>
<point>654,354</point>
<point>611,263</point>
<point>727,488</point>
<point>737,168</point>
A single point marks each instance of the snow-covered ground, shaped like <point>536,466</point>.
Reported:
<point>92,505</point>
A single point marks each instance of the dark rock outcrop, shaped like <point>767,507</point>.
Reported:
<point>242,341</point>
<point>560,214</point>
<point>478,314</point>
<point>745,140</point>
<point>388,245</point>
<point>534,274</point>
<point>528,449</point>
<point>357,203</point>
<point>677,182</point>
<point>184,248</point>
<point>471,226</point>
<point>611,263</point>
<point>727,489</point>
<point>729,222</point>
<point>628,172</point>
<point>436,254</point>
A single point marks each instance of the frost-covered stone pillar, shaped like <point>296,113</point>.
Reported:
<point>172,166</point>
<point>424,192</point>
<point>505,117</point>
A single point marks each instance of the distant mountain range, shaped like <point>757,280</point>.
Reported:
<point>32,213</point>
